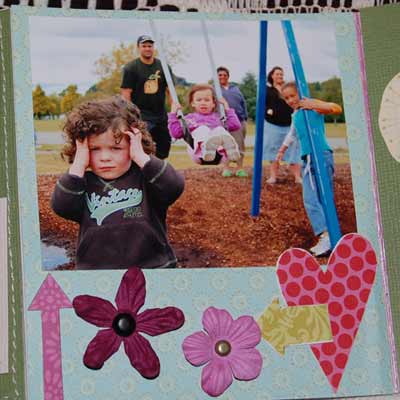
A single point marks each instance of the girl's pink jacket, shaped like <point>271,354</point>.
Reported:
<point>195,120</point>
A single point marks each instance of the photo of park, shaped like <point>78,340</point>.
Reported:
<point>210,224</point>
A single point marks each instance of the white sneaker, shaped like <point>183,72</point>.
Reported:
<point>323,247</point>
<point>210,146</point>
<point>230,146</point>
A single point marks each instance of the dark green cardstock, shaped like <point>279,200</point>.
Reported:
<point>12,384</point>
<point>381,38</point>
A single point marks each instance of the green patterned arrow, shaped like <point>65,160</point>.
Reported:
<point>282,327</point>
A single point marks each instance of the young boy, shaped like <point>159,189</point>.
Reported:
<point>311,199</point>
<point>121,203</point>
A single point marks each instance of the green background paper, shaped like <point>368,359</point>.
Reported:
<point>381,36</point>
<point>224,290</point>
<point>243,291</point>
<point>11,384</point>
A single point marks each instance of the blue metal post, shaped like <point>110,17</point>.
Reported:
<point>260,111</point>
<point>315,132</point>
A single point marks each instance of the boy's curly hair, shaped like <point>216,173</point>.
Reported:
<point>98,116</point>
<point>198,88</point>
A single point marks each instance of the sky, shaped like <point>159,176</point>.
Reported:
<point>64,50</point>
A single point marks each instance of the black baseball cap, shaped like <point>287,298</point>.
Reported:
<point>144,38</point>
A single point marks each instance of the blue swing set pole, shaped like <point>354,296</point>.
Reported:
<point>260,110</point>
<point>315,132</point>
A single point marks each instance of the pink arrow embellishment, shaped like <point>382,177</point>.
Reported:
<point>49,299</point>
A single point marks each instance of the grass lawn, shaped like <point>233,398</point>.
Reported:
<point>332,130</point>
<point>336,130</point>
<point>49,160</point>
<point>48,125</point>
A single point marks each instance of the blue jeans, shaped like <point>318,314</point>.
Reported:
<point>311,198</point>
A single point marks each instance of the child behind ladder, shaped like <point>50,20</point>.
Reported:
<point>211,141</point>
<point>311,197</point>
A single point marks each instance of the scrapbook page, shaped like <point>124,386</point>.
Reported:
<point>198,205</point>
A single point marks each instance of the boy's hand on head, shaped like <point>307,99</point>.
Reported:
<point>224,103</point>
<point>82,157</point>
<point>137,153</point>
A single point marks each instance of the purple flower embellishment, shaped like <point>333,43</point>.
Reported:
<point>228,349</point>
<point>124,325</point>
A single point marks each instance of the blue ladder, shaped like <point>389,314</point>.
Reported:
<point>315,132</point>
<point>260,112</point>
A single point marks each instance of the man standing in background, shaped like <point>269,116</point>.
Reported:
<point>144,83</point>
<point>235,99</point>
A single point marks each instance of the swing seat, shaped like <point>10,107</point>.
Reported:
<point>188,138</point>
<point>216,160</point>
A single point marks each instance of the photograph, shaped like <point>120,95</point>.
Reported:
<point>146,134</point>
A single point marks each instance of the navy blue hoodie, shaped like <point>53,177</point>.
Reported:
<point>123,221</point>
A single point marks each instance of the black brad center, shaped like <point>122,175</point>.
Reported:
<point>124,324</point>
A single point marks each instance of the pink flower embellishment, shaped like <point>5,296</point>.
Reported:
<point>124,325</point>
<point>228,349</point>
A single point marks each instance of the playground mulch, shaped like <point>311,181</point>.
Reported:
<point>210,224</point>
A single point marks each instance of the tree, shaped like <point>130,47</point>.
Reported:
<point>109,68</point>
<point>183,97</point>
<point>331,91</point>
<point>54,105</point>
<point>248,87</point>
<point>70,99</point>
<point>40,102</point>
<point>315,89</point>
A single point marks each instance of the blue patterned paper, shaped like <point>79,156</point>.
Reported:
<point>241,291</point>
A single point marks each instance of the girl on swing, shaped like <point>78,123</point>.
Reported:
<point>208,141</point>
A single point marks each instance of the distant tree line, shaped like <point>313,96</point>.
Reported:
<point>330,90</point>
<point>108,68</point>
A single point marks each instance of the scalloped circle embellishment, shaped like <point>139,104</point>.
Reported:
<point>389,117</point>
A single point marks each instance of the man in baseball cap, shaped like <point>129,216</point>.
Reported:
<point>144,83</point>
<point>143,39</point>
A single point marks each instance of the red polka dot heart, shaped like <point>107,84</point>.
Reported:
<point>345,286</point>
